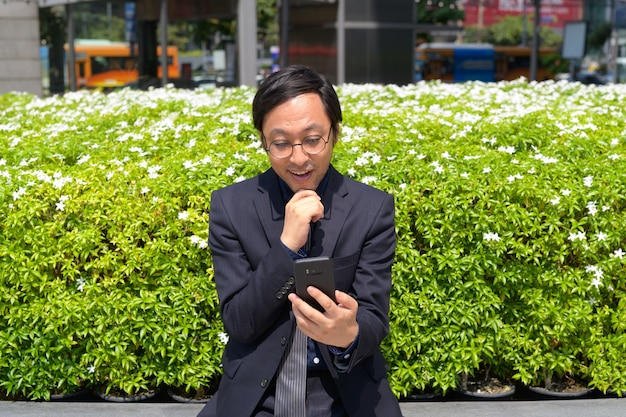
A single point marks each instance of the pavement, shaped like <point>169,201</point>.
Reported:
<point>519,405</point>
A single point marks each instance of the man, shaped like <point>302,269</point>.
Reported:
<point>302,207</point>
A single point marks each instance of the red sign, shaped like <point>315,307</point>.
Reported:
<point>554,13</point>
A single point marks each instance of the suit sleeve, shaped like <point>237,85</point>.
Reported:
<point>372,282</point>
<point>252,276</point>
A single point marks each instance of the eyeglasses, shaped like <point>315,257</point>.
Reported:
<point>311,145</point>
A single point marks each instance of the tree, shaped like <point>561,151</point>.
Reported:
<point>267,26</point>
<point>509,31</point>
<point>598,37</point>
<point>438,11</point>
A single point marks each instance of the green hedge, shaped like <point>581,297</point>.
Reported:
<point>510,213</point>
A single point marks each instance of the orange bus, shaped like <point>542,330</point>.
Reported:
<point>451,62</point>
<point>513,62</point>
<point>106,64</point>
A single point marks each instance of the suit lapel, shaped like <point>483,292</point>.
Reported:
<point>336,209</point>
<point>269,205</point>
<point>270,209</point>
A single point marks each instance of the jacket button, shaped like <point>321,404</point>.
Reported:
<point>263,383</point>
<point>279,295</point>
<point>283,341</point>
<point>291,281</point>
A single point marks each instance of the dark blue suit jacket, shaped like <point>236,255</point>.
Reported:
<point>253,270</point>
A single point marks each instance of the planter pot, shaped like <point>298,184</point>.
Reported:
<point>123,397</point>
<point>564,388</point>
<point>423,395</point>
<point>569,392</point>
<point>181,395</point>
<point>491,388</point>
<point>70,396</point>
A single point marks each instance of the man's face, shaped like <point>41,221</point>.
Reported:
<point>292,121</point>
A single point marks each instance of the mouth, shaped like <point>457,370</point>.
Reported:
<point>301,176</point>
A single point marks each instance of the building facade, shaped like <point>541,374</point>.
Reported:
<point>554,13</point>
<point>20,62</point>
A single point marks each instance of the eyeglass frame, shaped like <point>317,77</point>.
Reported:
<point>267,149</point>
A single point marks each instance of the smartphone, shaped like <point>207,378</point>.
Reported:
<point>318,272</point>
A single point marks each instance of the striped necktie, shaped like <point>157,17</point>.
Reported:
<point>290,400</point>
<point>291,380</point>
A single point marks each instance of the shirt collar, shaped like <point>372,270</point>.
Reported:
<point>287,193</point>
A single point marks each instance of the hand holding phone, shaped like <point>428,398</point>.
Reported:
<point>318,272</point>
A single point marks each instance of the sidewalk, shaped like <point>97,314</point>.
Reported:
<point>451,406</point>
<point>606,407</point>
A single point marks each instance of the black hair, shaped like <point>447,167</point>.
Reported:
<point>291,82</point>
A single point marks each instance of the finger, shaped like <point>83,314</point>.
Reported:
<point>300,194</point>
<point>346,300</point>
<point>301,308</point>
<point>325,301</point>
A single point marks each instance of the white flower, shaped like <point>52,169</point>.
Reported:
<point>145,190</point>
<point>618,253</point>
<point>91,369</point>
<point>153,171</point>
<point>60,206</point>
<point>486,170</point>
<point>601,236</point>
<point>20,192</point>
<point>223,337</point>
<point>360,161</point>
<point>80,284</point>
<point>588,181</point>
<point>512,178</point>
<point>566,192</point>
<point>240,178</point>
<point>555,201</point>
<point>183,215</point>
<point>507,149</point>
<point>229,171</point>
<point>596,282</point>
<point>577,236</point>
<point>592,207</point>
<point>438,168</point>
<point>199,242</point>
<point>545,159</point>
<point>490,236</point>
<point>83,159</point>
<point>368,180</point>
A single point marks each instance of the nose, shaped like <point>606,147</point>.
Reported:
<point>298,155</point>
